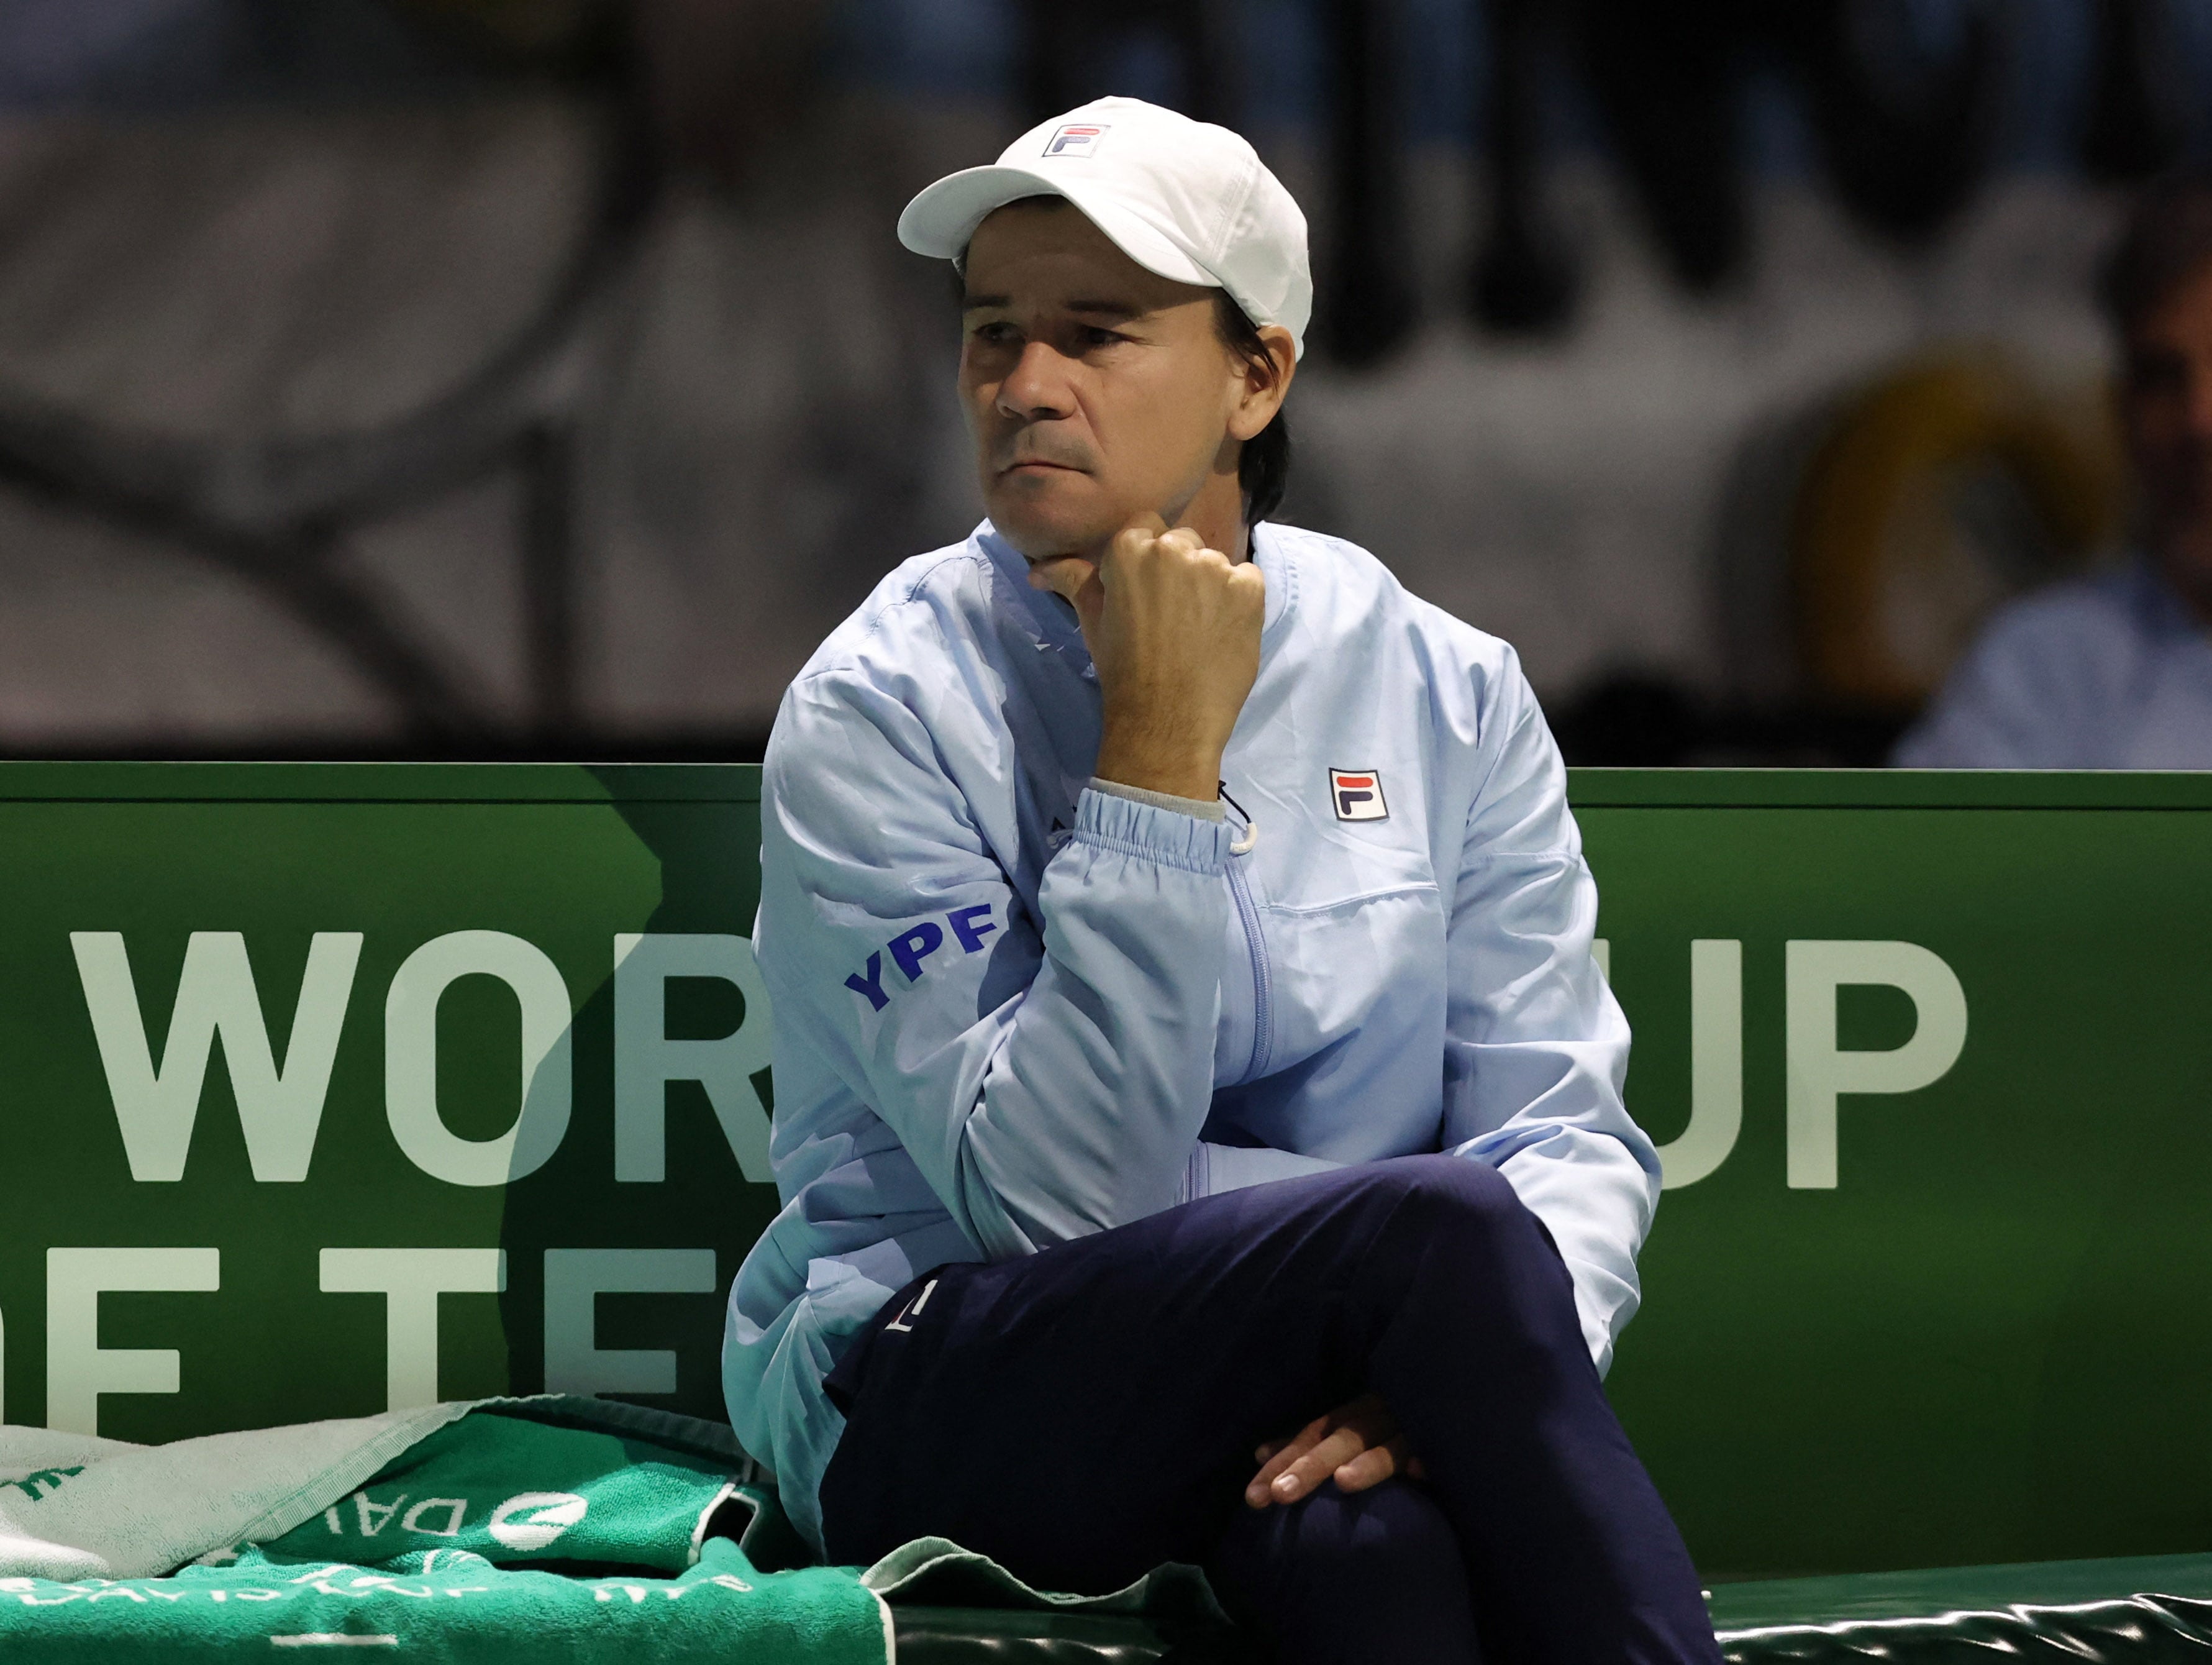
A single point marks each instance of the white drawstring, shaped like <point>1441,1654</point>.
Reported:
<point>1243,845</point>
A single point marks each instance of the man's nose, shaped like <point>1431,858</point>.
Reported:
<point>1036,388</point>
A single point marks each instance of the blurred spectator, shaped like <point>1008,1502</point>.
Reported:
<point>2114,670</point>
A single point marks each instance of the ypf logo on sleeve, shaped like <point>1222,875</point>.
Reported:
<point>1076,138</point>
<point>1357,795</point>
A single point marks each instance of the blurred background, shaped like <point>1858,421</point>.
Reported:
<point>542,378</point>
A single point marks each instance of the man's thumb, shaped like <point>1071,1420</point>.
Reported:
<point>1089,599</point>
<point>1065,575</point>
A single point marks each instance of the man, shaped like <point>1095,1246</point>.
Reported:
<point>2114,670</point>
<point>1130,896</point>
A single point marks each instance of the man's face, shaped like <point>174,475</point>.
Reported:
<point>1095,390</point>
<point>2165,404</point>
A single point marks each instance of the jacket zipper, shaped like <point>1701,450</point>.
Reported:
<point>1249,912</point>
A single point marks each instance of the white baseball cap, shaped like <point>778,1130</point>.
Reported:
<point>1184,198</point>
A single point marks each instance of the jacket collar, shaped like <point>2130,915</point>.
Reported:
<point>1053,620</point>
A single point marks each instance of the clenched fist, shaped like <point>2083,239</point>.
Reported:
<point>1174,629</point>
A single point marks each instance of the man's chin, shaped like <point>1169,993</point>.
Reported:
<point>1047,523</point>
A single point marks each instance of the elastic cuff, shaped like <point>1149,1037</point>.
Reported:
<point>1204,809</point>
<point>1110,821</point>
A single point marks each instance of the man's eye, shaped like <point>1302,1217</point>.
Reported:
<point>1094,336</point>
<point>992,335</point>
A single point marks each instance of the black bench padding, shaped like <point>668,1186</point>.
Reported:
<point>2154,1611</point>
<point>988,1636</point>
<point>2135,1611</point>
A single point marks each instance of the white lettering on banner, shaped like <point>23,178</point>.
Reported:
<point>1716,1059</point>
<point>411,1058</point>
<point>575,1278</point>
<point>411,1280</point>
<point>1819,1071</point>
<point>1716,1065</point>
<point>279,1110</point>
<point>646,1060</point>
<point>78,1368</point>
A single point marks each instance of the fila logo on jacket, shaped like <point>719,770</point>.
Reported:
<point>1357,795</point>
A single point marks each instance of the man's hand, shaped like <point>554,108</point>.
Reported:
<point>1174,629</point>
<point>1357,1444</point>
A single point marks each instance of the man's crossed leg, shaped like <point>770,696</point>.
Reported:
<point>1085,1413</point>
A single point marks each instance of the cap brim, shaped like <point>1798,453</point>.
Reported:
<point>941,220</point>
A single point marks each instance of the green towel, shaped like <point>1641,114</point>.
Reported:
<point>446,1605</point>
<point>937,1572</point>
<point>540,1532</point>
<point>75,1506</point>
<point>518,1491</point>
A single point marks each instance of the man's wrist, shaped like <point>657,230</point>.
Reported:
<point>1203,808</point>
<point>1176,771</point>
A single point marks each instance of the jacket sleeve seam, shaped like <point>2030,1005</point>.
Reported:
<point>1482,788</point>
<point>1483,858</point>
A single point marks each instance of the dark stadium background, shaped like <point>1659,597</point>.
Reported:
<point>541,378</point>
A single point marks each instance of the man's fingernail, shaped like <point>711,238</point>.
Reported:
<point>1287,1485</point>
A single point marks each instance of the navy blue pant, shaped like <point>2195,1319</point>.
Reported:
<point>1084,1413</point>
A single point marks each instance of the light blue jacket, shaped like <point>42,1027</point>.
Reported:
<point>1012,1010</point>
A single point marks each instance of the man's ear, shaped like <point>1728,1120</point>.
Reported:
<point>1265,382</point>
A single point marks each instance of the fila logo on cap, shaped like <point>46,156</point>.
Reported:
<point>1358,793</point>
<point>1076,139</point>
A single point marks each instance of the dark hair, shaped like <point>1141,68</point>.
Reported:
<point>2166,240</point>
<point>1263,467</point>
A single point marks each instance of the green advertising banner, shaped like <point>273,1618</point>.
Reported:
<point>339,1086</point>
<point>1927,1286</point>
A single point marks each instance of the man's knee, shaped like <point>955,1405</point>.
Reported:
<point>1453,1194</point>
<point>1466,1208</point>
<point>1378,1222</point>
